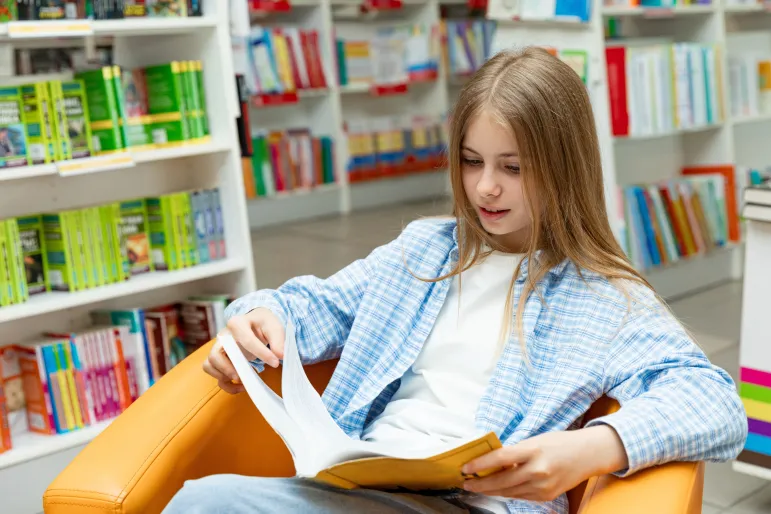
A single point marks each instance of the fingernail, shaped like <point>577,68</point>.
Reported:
<point>274,363</point>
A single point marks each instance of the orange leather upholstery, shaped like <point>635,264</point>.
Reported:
<point>184,428</point>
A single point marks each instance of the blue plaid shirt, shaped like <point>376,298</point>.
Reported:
<point>585,339</point>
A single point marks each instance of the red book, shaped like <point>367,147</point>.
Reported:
<point>615,58</point>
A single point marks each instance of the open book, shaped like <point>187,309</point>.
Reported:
<point>321,450</point>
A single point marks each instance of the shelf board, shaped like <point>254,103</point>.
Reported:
<point>700,128</point>
<point>751,119</point>
<point>291,206</point>
<point>743,9</point>
<point>693,274</point>
<point>124,27</point>
<point>29,446</point>
<point>658,12</point>
<point>751,469</point>
<point>59,301</point>
<point>140,157</point>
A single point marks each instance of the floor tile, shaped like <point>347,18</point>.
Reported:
<point>758,503</point>
<point>709,509</point>
<point>728,360</point>
<point>723,487</point>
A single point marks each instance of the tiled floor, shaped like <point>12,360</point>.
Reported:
<point>324,246</point>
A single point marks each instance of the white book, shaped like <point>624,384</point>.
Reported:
<point>698,84</point>
<point>321,450</point>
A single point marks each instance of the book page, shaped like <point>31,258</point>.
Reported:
<point>270,405</point>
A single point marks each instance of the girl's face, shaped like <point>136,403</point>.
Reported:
<point>493,184</point>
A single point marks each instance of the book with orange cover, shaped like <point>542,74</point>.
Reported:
<point>322,451</point>
<point>729,183</point>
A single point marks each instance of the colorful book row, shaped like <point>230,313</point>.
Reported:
<point>389,146</point>
<point>85,248</point>
<point>277,60</point>
<point>466,44</point>
<point>287,161</point>
<point>659,88</point>
<point>393,55</point>
<point>12,10</point>
<point>654,3</point>
<point>677,219</point>
<point>749,77</point>
<point>67,381</point>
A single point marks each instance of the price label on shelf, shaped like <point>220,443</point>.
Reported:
<point>95,164</point>
<point>381,5</point>
<point>273,99</point>
<point>389,89</point>
<point>270,5</point>
<point>50,28</point>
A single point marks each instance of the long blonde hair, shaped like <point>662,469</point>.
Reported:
<point>546,106</point>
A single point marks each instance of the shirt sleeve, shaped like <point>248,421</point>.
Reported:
<point>322,310</point>
<point>675,405</point>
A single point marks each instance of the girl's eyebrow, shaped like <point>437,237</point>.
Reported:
<point>504,154</point>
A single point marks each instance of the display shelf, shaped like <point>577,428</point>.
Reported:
<point>694,274</point>
<point>295,206</point>
<point>103,163</point>
<point>20,30</point>
<point>751,119</point>
<point>658,12</point>
<point>389,190</point>
<point>672,133</point>
<point>745,9</point>
<point>29,446</point>
<point>57,301</point>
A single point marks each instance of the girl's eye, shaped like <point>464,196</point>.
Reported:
<point>512,168</point>
<point>472,162</point>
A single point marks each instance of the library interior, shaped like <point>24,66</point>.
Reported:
<point>310,181</point>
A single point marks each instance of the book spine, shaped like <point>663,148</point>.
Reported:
<point>198,202</point>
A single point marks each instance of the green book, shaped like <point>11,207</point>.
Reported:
<point>166,103</point>
<point>37,117</point>
<point>77,114</point>
<point>103,115</point>
<point>190,242</point>
<point>92,264</point>
<point>188,99</point>
<point>135,237</point>
<point>15,261</point>
<point>62,146</point>
<point>110,219</point>
<point>327,159</point>
<point>6,286</point>
<point>33,245</point>
<point>160,217</point>
<point>132,105</point>
<point>201,93</point>
<point>180,230</point>
<point>13,131</point>
<point>79,247</point>
<point>8,10</point>
<point>60,264</point>
<point>101,262</point>
<point>260,162</point>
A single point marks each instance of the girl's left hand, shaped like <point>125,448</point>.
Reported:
<point>545,466</point>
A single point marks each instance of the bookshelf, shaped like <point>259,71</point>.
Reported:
<point>27,469</point>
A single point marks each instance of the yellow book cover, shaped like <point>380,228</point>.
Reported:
<point>283,61</point>
<point>72,387</point>
<point>322,451</point>
<point>64,387</point>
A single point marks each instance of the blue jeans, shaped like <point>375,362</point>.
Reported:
<point>236,494</point>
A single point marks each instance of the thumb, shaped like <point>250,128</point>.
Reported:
<point>272,333</point>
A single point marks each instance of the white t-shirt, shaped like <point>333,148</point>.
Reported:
<point>439,394</point>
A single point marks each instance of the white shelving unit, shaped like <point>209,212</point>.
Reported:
<point>28,468</point>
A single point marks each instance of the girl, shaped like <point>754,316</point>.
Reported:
<point>514,315</point>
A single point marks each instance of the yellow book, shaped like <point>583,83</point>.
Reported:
<point>283,61</point>
<point>323,452</point>
<point>64,387</point>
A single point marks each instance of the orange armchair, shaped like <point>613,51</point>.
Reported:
<point>184,428</point>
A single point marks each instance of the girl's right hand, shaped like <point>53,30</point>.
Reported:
<point>260,335</point>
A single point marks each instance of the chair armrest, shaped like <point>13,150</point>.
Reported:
<point>674,488</point>
<point>184,427</point>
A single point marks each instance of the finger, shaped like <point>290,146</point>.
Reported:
<point>242,332</point>
<point>272,333</point>
<point>220,363</point>
<point>214,372</point>
<point>506,479</point>
<point>230,387</point>
<point>503,457</point>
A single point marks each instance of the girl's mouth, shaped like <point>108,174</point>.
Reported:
<point>493,214</point>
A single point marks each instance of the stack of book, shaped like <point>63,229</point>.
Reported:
<point>680,218</point>
<point>102,111</point>
<point>63,382</point>
<point>13,10</point>
<point>749,78</point>
<point>91,247</point>
<point>658,88</point>
<point>394,55</point>
<point>655,3</point>
<point>287,161</point>
<point>280,60</point>
<point>564,10</point>
<point>391,146</point>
